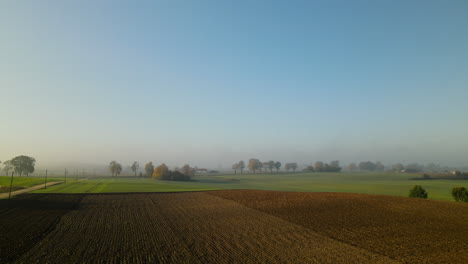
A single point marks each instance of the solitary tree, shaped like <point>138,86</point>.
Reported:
<point>23,164</point>
<point>460,194</point>
<point>277,166</point>
<point>135,167</point>
<point>254,164</point>
<point>418,192</point>
<point>149,169</point>
<point>112,167</point>
<point>241,166</point>
<point>235,167</point>
<point>118,169</point>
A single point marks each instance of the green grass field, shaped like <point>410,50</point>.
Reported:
<point>387,183</point>
<point>22,182</point>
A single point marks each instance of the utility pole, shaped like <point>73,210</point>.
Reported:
<point>11,184</point>
<point>65,176</point>
<point>45,184</point>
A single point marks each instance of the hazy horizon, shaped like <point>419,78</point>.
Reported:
<point>210,83</point>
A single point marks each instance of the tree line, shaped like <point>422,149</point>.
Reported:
<point>397,167</point>
<point>161,172</point>
<point>255,165</point>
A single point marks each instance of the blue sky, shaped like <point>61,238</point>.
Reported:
<point>212,82</point>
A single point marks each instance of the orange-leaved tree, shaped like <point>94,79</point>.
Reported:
<point>161,172</point>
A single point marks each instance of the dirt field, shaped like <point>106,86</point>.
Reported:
<point>227,227</point>
<point>407,229</point>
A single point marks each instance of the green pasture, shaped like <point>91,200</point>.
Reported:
<point>22,182</point>
<point>387,183</point>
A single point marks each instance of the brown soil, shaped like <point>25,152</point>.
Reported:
<point>184,228</point>
<point>407,229</point>
<point>231,227</point>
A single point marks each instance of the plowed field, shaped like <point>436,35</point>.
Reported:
<point>407,229</point>
<point>224,227</point>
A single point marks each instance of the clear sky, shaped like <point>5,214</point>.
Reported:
<point>213,82</point>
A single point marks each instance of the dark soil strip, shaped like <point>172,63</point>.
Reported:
<point>28,218</point>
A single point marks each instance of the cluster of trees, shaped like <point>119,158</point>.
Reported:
<point>320,166</point>
<point>21,165</point>
<point>366,166</point>
<point>239,166</point>
<point>411,167</point>
<point>256,165</point>
<point>162,172</point>
<point>115,168</point>
<point>290,166</point>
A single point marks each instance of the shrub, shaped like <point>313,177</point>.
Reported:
<point>178,176</point>
<point>460,194</point>
<point>418,192</point>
